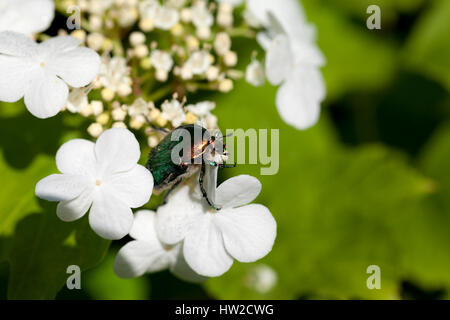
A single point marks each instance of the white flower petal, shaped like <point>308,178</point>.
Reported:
<point>110,217</point>
<point>60,187</point>
<point>16,44</point>
<point>15,76</point>
<point>143,228</point>
<point>28,16</point>
<point>307,53</point>
<point>77,67</point>
<point>175,218</point>
<point>237,191</point>
<point>298,99</point>
<point>58,45</point>
<point>46,95</point>
<point>248,232</point>
<point>137,257</point>
<point>204,249</point>
<point>279,60</point>
<point>117,150</point>
<point>77,156</point>
<point>134,187</point>
<point>72,210</point>
<point>182,270</point>
<point>288,13</point>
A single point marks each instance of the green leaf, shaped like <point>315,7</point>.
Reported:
<point>18,199</point>
<point>103,284</point>
<point>43,248</point>
<point>356,58</point>
<point>336,209</point>
<point>36,244</point>
<point>428,46</point>
<point>427,253</point>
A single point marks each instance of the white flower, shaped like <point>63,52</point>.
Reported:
<point>163,17</point>
<point>198,63</point>
<point>140,109</point>
<point>173,112</point>
<point>161,60</point>
<point>41,72</point>
<point>77,100</point>
<point>103,176</point>
<point>254,74</point>
<point>166,18</point>
<point>115,74</point>
<point>146,254</point>
<point>201,16</point>
<point>213,239</point>
<point>293,60</point>
<point>26,16</point>
<point>222,43</point>
<point>201,109</point>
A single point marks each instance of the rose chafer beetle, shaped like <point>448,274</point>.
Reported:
<point>181,153</point>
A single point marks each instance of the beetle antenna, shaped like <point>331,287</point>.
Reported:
<point>228,135</point>
<point>163,130</point>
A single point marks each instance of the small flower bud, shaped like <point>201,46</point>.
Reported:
<point>103,118</point>
<point>177,30</point>
<point>154,114</point>
<point>95,41</point>
<point>119,124</point>
<point>192,43</point>
<point>161,75</point>
<point>141,51</point>
<point>137,38</point>
<point>230,59</point>
<point>190,118</point>
<point>186,15</point>
<point>124,89</point>
<point>79,34</point>
<point>226,85</point>
<point>95,22</point>
<point>97,107</point>
<point>203,33</point>
<point>222,43</point>
<point>107,94</point>
<point>146,63</point>
<point>86,111</point>
<point>119,114</point>
<point>152,141</point>
<point>95,129</point>
<point>146,24</point>
<point>136,123</point>
<point>160,121</point>
<point>212,73</point>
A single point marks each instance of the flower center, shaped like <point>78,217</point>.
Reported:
<point>167,247</point>
<point>42,64</point>
<point>98,182</point>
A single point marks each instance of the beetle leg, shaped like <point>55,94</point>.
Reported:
<point>202,188</point>
<point>227,166</point>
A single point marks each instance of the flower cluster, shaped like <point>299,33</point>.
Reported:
<point>184,235</point>
<point>197,242</point>
<point>133,64</point>
<point>102,177</point>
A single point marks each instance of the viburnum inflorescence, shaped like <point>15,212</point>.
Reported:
<point>134,69</point>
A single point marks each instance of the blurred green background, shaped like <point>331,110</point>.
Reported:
<point>368,185</point>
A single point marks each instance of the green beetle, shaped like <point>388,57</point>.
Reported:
<point>169,166</point>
